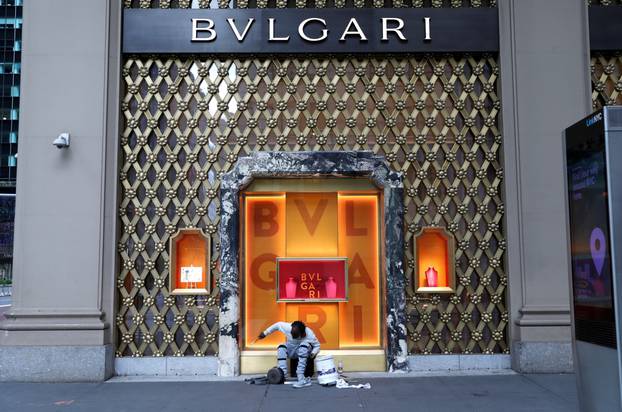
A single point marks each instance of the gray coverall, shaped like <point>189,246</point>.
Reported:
<point>294,348</point>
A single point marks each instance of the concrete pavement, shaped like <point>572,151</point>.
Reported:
<point>432,393</point>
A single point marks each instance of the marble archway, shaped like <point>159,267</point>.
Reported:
<point>311,164</point>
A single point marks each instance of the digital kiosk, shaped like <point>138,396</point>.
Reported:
<point>593,149</point>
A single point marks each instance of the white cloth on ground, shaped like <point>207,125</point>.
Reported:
<point>342,384</point>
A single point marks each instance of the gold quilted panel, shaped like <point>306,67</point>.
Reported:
<point>604,2</point>
<point>187,120</point>
<point>242,4</point>
<point>606,69</point>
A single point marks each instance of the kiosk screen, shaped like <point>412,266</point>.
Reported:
<point>589,234</point>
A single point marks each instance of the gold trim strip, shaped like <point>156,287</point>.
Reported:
<point>327,184</point>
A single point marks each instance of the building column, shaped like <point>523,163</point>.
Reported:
<point>545,85</point>
<point>60,325</point>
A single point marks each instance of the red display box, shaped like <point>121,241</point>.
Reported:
<point>312,279</point>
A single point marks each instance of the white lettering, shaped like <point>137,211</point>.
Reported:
<point>271,35</point>
<point>196,29</point>
<point>303,35</point>
<point>397,30</point>
<point>356,32</point>
<point>235,30</point>
<point>204,30</point>
<point>428,36</point>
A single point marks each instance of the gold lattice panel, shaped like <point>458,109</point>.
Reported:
<point>604,2</point>
<point>242,4</point>
<point>433,117</point>
<point>606,69</point>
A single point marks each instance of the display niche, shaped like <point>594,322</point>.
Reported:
<point>434,257</point>
<point>189,269</point>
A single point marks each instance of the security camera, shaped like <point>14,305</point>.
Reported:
<point>62,141</point>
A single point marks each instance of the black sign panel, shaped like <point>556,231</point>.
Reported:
<point>310,30</point>
<point>605,28</point>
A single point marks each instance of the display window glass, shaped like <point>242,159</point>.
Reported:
<point>332,225</point>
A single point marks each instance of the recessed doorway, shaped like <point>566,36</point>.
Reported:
<point>309,220</point>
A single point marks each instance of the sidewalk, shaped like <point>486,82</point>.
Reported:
<point>432,393</point>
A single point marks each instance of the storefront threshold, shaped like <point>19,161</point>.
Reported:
<point>364,362</point>
<point>423,363</point>
<point>354,360</point>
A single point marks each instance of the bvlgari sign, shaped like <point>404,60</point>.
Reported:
<point>310,30</point>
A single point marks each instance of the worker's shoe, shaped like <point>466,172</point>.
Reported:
<point>302,383</point>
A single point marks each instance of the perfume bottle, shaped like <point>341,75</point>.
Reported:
<point>331,288</point>
<point>431,276</point>
<point>290,288</point>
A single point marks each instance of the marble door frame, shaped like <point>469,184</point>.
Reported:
<point>311,164</point>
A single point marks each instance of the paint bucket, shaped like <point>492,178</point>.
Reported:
<point>326,371</point>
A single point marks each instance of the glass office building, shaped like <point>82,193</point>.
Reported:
<point>10,68</point>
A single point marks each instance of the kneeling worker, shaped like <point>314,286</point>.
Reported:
<point>300,343</point>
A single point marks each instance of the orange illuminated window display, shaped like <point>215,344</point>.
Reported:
<point>434,249</point>
<point>314,227</point>
<point>189,264</point>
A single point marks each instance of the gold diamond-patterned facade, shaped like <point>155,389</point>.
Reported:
<point>187,121</point>
<point>606,69</point>
<point>604,2</point>
<point>435,118</point>
<point>242,4</point>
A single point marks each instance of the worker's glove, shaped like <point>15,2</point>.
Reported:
<point>262,335</point>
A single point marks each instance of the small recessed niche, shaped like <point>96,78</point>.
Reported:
<point>434,249</point>
<point>189,264</point>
